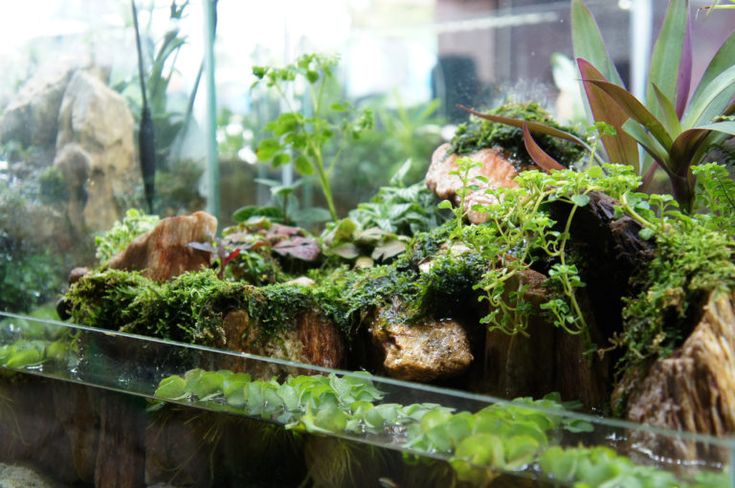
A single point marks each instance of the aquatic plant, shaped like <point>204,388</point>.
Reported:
<point>507,437</point>
<point>300,136</point>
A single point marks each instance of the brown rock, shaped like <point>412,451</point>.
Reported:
<point>495,167</point>
<point>424,351</point>
<point>693,389</point>
<point>164,252</point>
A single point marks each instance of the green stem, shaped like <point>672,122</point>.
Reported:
<point>567,286</point>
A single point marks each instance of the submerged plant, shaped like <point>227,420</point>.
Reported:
<point>502,437</point>
<point>300,137</point>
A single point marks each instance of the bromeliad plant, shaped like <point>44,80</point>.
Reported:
<point>675,130</point>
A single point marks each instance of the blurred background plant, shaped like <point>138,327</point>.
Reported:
<point>178,174</point>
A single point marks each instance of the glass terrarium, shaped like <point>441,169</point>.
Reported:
<point>367,243</point>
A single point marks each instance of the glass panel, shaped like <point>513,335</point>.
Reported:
<point>481,438</point>
<point>70,114</point>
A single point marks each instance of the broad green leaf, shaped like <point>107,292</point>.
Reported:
<point>445,204</point>
<point>267,149</point>
<point>303,165</point>
<point>581,200</point>
<point>588,42</point>
<point>538,155</point>
<point>635,110</point>
<point>667,54</point>
<point>242,214</point>
<point>620,148</point>
<point>311,215</point>
<point>691,145</point>
<point>171,388</point>
<point>723,59</point>
<point>714,101</point>
<point>648,142</point>
<point>668,112</point>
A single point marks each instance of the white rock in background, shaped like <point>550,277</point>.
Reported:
<point>31,118</point>
<point>99,123</point>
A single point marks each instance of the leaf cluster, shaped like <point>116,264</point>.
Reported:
<point>520,232</point>
<point>300,137</point>
<point>506,437</point>
<point>122,233</point>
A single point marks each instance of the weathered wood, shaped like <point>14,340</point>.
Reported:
<point>691,390</point>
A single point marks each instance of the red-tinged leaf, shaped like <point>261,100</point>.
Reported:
<point>280,230</point>
<point>532,126</point>
<point>538,155</point>
<point>683,84</point>
<point>667,53</point>
<point>588,42</point>
<point>620,148</point>
<point>227,259</point>
<point>303,248</point>
<point>635,110</point>
<point>690,147</point>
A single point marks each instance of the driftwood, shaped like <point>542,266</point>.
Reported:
<point>691,390</point>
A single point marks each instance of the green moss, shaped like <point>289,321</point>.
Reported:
<point>190,308</point>
<point>479,134</point>
<point>123,233</point>
<point>690,263</point>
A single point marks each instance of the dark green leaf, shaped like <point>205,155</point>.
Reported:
<point>588,42</point>
<point>723,59</point>
<point>667,55</point>
<point>244,213</point>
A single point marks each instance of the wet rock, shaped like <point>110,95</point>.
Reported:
<point>424,351</point>
<point>31,118</point>
<point>99,123</point>
<point>163,253</point>
<point>498,171</point>
<point>694,388</point>
<point>302,281</point>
